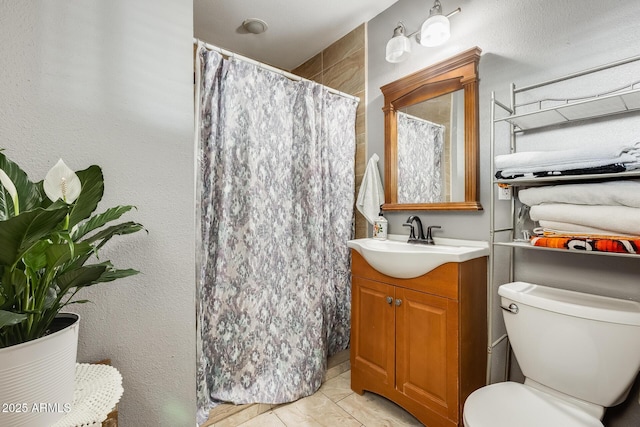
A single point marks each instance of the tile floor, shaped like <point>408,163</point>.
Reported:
<point>333,405</point>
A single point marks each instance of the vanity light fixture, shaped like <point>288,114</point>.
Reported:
<point>435,31</point>
<point>399,47</point>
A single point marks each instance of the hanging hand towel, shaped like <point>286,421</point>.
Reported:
<point>371,194</point>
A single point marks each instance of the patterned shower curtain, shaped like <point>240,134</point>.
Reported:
<point>420,152</point>
<point>276,207</point>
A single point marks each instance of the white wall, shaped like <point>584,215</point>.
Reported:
<point>110,83</point>
<point>522,42</point>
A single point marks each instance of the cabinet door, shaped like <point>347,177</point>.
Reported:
<point>427,358</point>
<point>372,329</point>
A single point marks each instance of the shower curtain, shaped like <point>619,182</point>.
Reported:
<point>420,152</point>
<point>276,183</point>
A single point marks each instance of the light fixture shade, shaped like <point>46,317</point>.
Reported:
<point>435,31</point>
<point>398,49</point>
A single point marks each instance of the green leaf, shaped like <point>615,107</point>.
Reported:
<point>79,301</point>
<point>119,229</point>
<point>8,318</point>
<point>45,202</point>
<point>19,233</point>
<point>81,276</point>
<point>13,284</point>
<point>82,252</point>
<point>28,194</point>
<point>111,275</point>
<point>91,194</point>
<point>58,254</point>
<point>51,297</point>
<point>63,236</point>
<point>5,202</point>
<point>98,221</point>
<point>35,258</point>
<point>61,253</point>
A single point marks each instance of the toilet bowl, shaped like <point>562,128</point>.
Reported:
<point>579,353</point>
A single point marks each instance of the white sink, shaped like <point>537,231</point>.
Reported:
<point>397,258</point>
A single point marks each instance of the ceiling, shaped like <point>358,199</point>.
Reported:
<point>298,29</point>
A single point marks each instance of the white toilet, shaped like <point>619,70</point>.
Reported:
<point>579,353</point>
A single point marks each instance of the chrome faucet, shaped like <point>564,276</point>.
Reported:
<point>428,240</point>
<point>412,233</point>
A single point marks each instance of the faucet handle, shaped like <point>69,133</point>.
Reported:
<point>429,235</point>
<point>412,233</point>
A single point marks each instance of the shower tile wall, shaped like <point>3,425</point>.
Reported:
<point>342,66</point>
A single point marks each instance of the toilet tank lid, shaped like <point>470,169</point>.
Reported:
<point>571,303</point>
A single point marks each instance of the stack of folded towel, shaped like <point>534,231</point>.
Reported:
<point>602,216</point>
<point>603,159</point>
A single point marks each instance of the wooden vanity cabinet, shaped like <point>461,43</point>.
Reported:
<point>420,342</point>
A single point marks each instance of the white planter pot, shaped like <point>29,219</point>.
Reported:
<point>37,377</point>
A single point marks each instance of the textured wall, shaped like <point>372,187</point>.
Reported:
<point>342,66</point>
<point>110,83</point>
<point>522,42</point>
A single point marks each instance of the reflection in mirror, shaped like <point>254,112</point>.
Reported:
<point>431,150</point>
<point>431,137</point>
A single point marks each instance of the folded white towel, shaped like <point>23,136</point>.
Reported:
<point>371,194</point>
<point>619,193</point>
<point>562,160</point>
<point>574,229</point>
<point>624,159</point>
<point>617,219</point>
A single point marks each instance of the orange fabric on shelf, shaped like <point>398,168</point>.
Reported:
<point>629,246</point>
<point>546,233</point>
<point>551,242</point>
<point>604,245</point>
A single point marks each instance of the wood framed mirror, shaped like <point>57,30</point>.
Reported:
<point>431,137</point>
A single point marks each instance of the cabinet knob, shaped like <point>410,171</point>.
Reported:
<point>389,300</point>
<point>398,302</point>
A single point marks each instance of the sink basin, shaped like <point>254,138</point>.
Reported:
<point>397,258</point>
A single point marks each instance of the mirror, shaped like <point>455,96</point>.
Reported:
<point>431,150</point>
<point>431,137</point>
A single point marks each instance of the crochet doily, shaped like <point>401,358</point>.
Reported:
<point>98,389</point>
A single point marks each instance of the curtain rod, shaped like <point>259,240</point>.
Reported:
<point>420,119</point>
<point>267,67</point>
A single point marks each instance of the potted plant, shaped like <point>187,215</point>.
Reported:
<point>50,239</point>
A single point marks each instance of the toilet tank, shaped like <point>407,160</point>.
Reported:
<point>583,345</point>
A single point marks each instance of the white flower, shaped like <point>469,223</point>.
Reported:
<point>62,183</point>
<point>11,189</point>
